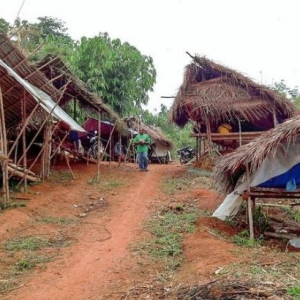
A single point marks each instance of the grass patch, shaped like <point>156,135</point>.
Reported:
<point>105,185</point>
<point>62,176</point>
<point>294,292</point>
<point>294,213</point>
<point>29,261</point>
<point>7,285</point>
<point>27,243</point>
<point>243,239</point>
<point>33,243</point>
<point>12,205</point>
<point>168,228</point>
<point>57,220</point>
<point>171,186</point>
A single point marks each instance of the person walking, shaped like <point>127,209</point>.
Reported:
<point>142,141</point>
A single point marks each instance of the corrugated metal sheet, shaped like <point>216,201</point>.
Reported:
<point>41,98</point>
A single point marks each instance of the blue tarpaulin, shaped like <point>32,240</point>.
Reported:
<point>281,180</point>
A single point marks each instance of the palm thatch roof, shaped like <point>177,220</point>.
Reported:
<point>12,91</point>
<point>231,167</point>
<point>155,133</point>
<point>210,90</point>
<point>58,72</point>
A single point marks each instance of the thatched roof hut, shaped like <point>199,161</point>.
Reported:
<point>29,105</point>
<point>13,91</point>
<point>76,90</point>
<point>212,94</point>
<point>231,167</point>
<point>155,133</point>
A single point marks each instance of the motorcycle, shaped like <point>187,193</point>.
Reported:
<point>90,144</point>
<point>186,154</point>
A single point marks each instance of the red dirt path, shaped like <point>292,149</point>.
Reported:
<point>99,263</point>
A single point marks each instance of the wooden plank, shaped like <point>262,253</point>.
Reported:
<point>230,134</point>
<point>277,196</point>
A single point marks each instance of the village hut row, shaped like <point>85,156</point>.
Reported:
<point>29,103</point>
<point>112,128</point>
<point>32,99</point>
<point>30,112</point>
<point>267,167</point>
<point>256,126</point>
<point>213,96</point>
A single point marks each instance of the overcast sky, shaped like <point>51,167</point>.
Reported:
<point>258,38</point>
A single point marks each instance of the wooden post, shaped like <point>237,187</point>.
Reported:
<point>129,149</point>
<point>3,149</point>
<point>68,163</point>
<point>120,145</point>
<point>46,157</point>
<point>23,113</point>
<point>208,131</point>
<point>249,205</point>
<point>99,143</point>
<point>240,132</point>
<point>274,116</point>
<point>49,116</point>
<point>109,141</point>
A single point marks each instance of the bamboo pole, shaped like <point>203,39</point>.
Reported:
<point>61,141</point>
<point>23,113</point>
<point>109,140</point>
<point>21,174</point>
<point>208,131</point>
<point>4,162</point>
<point>68,163</point>
<point>240,132</point>
<point>129,148</point>
<point>274,116</point>
<point>40,128</point>
<point>99,143</point>
<point>249,203</point>
<point>120,145</point>
<point>109,158</point>
<point>46,156</point>
<point>22,129</point>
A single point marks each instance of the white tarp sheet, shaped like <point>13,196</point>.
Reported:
<point>44,100</point>
<point>273,165</point>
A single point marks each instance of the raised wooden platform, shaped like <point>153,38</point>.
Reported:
<point>246,137</point>
<point>256,192</point>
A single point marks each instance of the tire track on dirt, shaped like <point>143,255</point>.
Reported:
<point>94,260</point>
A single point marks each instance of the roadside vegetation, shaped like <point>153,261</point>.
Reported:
<point>266,271</point>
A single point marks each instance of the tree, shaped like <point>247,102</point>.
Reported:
<point>4,26</point>
<point>292,94</point>
<point>48,36</point>
<point>116,71</point>
<point>54,45</point>
<point>49,26</point>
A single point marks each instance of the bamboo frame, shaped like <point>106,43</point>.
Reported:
<point>37,133</point>
<point>4,157</point>
<point>23,113</point>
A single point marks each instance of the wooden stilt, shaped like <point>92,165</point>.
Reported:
<point>3,149</point>
<point>120,152</point>
<point>249,205</point>
<point>240,133</point>
<point>23,112</point>
<point>99,143</point>
<point>69,166</point>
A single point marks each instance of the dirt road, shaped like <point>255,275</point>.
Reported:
<point>108,221</point>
